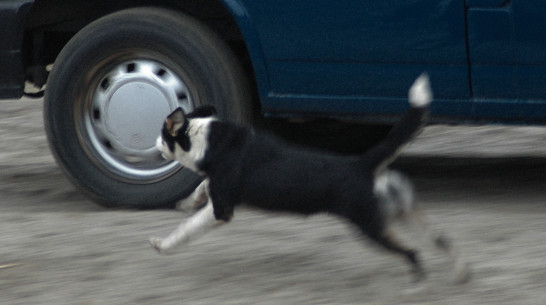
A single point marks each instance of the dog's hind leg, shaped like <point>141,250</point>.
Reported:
<point>397,201</point>
<point>417,219</point>
<point>198,224</point>
<point>388,240</point>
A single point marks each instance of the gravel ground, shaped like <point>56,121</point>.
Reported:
<point>484,186</point>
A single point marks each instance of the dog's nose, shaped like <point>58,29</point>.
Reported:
<point>159,146</point>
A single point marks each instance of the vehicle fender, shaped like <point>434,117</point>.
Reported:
<point>253,43</point>
<point>12,21</point>
<point>12,24</point>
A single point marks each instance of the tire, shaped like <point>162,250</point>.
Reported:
<point>112,86</point>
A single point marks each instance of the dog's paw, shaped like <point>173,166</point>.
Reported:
<point>463,274</point>
<point>155,242</point>
<point>186,205</point>
<point>418,275</point>
<point>189,205</point>
<point>158,244</point>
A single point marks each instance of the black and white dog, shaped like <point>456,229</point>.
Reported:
<point>243,165</point>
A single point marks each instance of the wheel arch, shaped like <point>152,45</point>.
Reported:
<point>252,43</point>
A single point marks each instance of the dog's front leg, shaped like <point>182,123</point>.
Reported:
<point>195,200</point>
<point>198,224</point>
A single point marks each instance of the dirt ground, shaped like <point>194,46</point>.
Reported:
<point>483,186</point>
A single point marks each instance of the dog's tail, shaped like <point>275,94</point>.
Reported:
<point>405,130</point>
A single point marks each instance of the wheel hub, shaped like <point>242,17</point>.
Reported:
<point>126,115</point>
<point>133,116</point>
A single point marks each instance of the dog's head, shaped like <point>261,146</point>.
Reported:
<point>184,136</point>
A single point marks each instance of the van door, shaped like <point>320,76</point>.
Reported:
<point>492,59</point>
<point>507,48</point>
<point>360,57</point>
<point>530,54</point>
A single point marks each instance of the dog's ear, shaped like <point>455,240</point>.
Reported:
<point>175,121</point>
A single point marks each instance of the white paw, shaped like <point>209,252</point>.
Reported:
<point>186,205</point>
<point>420,94</point>
<point>190,205</point>
<point>158,244</point>
<point>463,274</point>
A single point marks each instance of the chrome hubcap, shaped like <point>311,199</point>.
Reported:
<point>125,117</point>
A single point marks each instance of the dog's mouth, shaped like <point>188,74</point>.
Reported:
<point>165,155</point>
<point>160,146</point>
